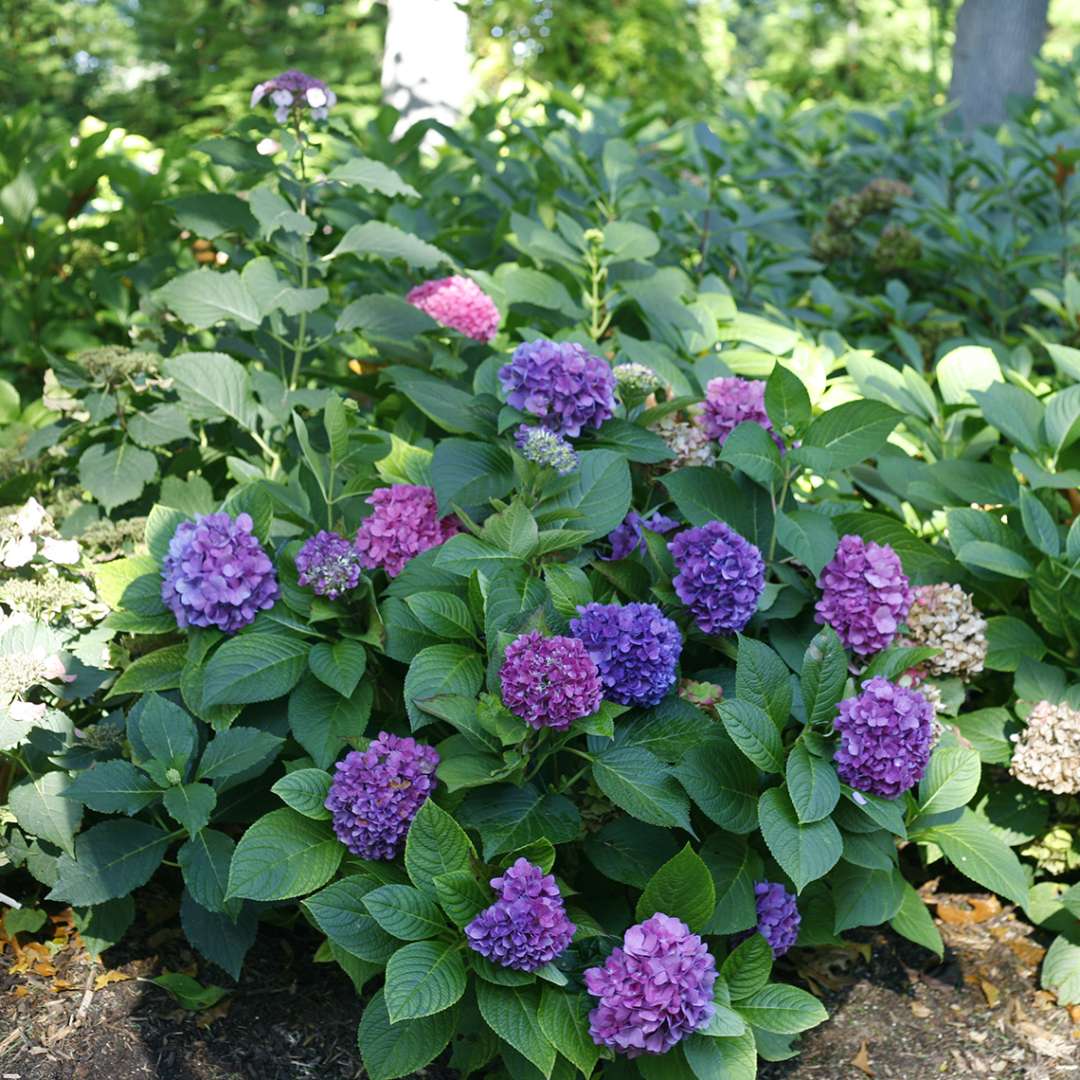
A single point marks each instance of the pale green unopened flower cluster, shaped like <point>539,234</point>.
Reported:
<point>1056,852</point>
<point>115,364</point>
<point>636,378</point>
<point>107,538</point>
<point>50,597</point>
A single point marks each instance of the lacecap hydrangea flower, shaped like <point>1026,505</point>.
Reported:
<point>721,576</point>
<point>865,594</point>
<point>1047,753</point>
<point>376,793</point>
<point>635,646</point>
<point>460,304</point>
<point>778,916</point>
<point>328,564</point>
<point>549,681</point>
<point>732,401</point>
<point>630,536</point>
<point>886,736</point>
<point>561,383</point>
<point>527,926</point>
<point>654,990</point>
<point>945,617</point>
<point>546,449</point>
<point>217,574</point>
<point>405,522</point>
<point>293,89</point>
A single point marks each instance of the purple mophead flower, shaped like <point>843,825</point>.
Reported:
<point>217,574</point>
<point>293,89</point>
<point>405,522</point>
<point>635,646</point>
<point>778,916</point>
<point>886,736</point>
<point>721,576</point>
<point>731,402</point>
<point>527,926</point>
<point>376,793</point>
<point>865,595</point>
<point>545,448</point>
<point>561,383</point>
<point>459,303</point>
<point>630,535</point>
<point>654,990</point>
<point>549,681</point>
<point>328,564</point>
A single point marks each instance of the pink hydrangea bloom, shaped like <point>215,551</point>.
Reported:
<point>405,522</point>
<point>460,304</point>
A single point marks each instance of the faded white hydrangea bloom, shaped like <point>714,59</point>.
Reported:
<point>1047,754</point>
<point>686,439</point>
<point>20,672</point>
<point>944,617</point>
<point>19,532</point>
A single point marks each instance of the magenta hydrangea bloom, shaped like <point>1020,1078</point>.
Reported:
<point>376,793</point>
<point>721,576</point>
<point>778,916</point>
<point>293,89</point>
<point>328,564</point>
<point>886,737</point>
<point>865,594</point>
<point>549,681</point>
<point>654,990</point>
<point>527,926</point>
<point>216,573</point>
<point>630,535</point>
<point>635,646</point>
<point>561,383</point>
<point>405,522</point>
<point>459,303</point>
<point>731,402</point>
<point>545,448</point>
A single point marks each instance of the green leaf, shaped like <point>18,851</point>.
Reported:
<point>735,868</point>
<point>914,921</point>
<point>722,1059</point>
<point>682,888</point>
<point>158,670</point>
<point>213,386</point>
<point>1009,640</point>
<point>1038,524</point>
<point>405,912</point>
<point>340,665</point>
<point>724,785</point>
<point>511,1012</point>
<point>569,587</point>
<point>746,969</point>
<point>339,912</point>
<point>950,781</point>
<point>305,790</point>
<point>563,1018</point>
<point>787,402</point>
<point>205,860</point>
<point>442,614</point>
<point>994,557</point>
<point>166,731</point>
<point>436,844</point>
<point>812,784</point>
<point>804,852</point>
<point>824,676</point>
<point>100,926</point>
<point>438,670</point>
<point>205,297</point>
<point>389,242</point>
<point>235,751</point>
<point>423,978</point>
<point>461,896</point>
<point>750,449</point>
<point>763,679</point>
<point>628,851</point>
<point>783,1009</point>
<point>846,435</point>
<point>1015,412</point>
<point>223,940</point>
<point>116,476</point>
<point>753,733</point>
<point>323,722</point>
<point>283,854</point>
<point>967,368</point>
<point>510,817</point>
<point>374,176</point>
<point>470,474</point>
<point>111,860</point>
<point>634,442</point>
<point>865,897</point>
<point>46,807</point>
<point>254,667</point>
<point>274,212</point>
<point>640,784</point>
<point>191,805</point>
<point>451,408</point>
<point>809,536</point>
<point>210,214</point>
<point>393,1050</point>
<point>599,491</point>
<point>189,992</point>
<point>1061,970</point>
<point>111,787</point>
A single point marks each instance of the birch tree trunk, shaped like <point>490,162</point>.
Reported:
<point>996,42</point>
<point>426,61</point>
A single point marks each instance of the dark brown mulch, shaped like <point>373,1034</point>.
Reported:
<point>898,1016</point>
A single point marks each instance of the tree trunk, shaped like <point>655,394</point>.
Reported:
<point>996,43</point>
<point>426,61</point>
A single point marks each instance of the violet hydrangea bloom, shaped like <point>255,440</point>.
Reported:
<point>545,448</point>
<point>549,681</point>
<point>654,990</point>
<point>527,926</point>
<point>865,594</point>
<point>778,916</point>
<point>886,736</point>
<point>731,402</point>
<point>216,573</point>
<point>630,536</point>
<point>293,89</point>
<point>635,646</point>
<point>561,383</point>
<point>460,304</point>
<point>721,576</point>
<point>405,523</point>
<point>376,793</point>
<point>328,564</point>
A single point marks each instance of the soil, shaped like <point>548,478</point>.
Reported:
<point>897,1013</point>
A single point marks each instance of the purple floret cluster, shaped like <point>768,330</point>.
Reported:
<point>376,793</point>
<point>458,303</point>
<point>731,402</point>
<point>527,926</point>
<point>653,991</point>
<point>886,736</point>
<point>293,89</point>
<point>721,576</point>
<point>778,916</point>
<point>328,564</point>
<point>561,383</point>
<point>216,573</point>
<point>549,681</point>
<point>635,646</point>
<point>405,522</point>
<point>630,535</point>
<point>865,595</point>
